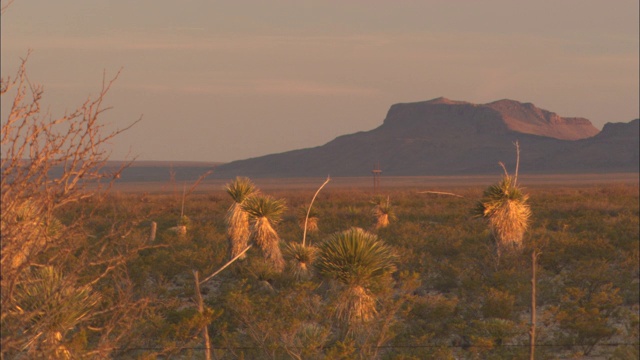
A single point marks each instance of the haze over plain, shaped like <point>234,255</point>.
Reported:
<point>228,80</point>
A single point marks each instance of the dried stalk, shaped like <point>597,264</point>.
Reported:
<point>306,220</point>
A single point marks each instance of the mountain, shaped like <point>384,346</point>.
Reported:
<point>447,137</point>
<point>615,149</point>
<point>528,119</point>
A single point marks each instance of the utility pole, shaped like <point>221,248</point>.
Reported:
<point>376,177</point>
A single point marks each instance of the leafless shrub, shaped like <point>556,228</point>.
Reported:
<point>49,166</point>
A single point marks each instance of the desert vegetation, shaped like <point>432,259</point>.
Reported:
<point>434,290</point>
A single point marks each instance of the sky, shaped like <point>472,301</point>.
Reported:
<point>233,79</point>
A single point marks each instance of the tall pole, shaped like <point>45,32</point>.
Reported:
<point>376,177</point>
<point>205,329</point>
<point>532,331</point>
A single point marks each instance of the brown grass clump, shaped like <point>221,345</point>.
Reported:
<point>237,229</point>
<point>268,241</point>
<point>355,305</point>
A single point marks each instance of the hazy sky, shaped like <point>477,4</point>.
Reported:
<point>232,79</point>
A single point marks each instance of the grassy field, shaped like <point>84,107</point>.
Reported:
<point>449,296</point>
<point>406,273</point>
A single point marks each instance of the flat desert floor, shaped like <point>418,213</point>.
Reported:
<point>391,182</point>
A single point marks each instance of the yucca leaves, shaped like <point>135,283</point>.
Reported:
<point>55,305</point>
<point>264,212</point>
<point>355,257</point>
<point>264,207</point>
<point>240,189</point>
<point>505,206</point>
<point>237,219</point>
<point>251,218</point>
<point>301,259</point>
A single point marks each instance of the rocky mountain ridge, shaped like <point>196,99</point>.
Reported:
<point>447,137</point>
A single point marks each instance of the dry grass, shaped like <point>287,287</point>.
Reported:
<point>355,305</point>
<point>267,239</point>
<point>382,212</point>
<point>238,232</point>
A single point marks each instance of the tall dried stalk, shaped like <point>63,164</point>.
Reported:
<point>307,217</point>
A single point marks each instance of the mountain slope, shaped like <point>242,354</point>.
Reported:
<point>446,137</point>
<point>615,149</point>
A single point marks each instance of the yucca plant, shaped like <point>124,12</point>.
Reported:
<point>301,259</point>
<point>54,306</point>
<point>382,212</point>
<point>265,212</point>
<point>505,207</point>
<point>237,219</point>
<point>311,221</point>
<point>355,259</point>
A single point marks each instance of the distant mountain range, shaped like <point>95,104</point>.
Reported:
<point>446,137</point>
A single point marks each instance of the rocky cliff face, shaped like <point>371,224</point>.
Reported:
<point>446,137</point>
<point>528,119</point>
<point>498,117</point>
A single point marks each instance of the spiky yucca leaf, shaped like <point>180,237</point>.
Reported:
<point>355,258</point>
<point>240,189</point>
<point>56,306</point>
<point>264,207</point>
<point>264,212</point>
<point>505,206</point>
<point>301,259</point>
